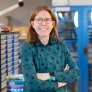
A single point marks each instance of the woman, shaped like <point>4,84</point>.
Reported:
<point>46,61</point>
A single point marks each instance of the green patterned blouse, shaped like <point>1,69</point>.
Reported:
<point>53,57</point>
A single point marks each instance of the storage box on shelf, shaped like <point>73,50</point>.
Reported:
<point>16,53</point>
<point>90,66</point>
<point>15,83</point>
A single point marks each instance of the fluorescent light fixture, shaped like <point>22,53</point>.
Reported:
<point>76,19</point>
<point>20,0</point>
<point>91,17</point>
<point>1,24</point>
<point>56,16</point>
<point>9,9</point>
<point>60,15</point>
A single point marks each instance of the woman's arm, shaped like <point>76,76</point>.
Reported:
<point>46,76</point>
<point>73,73</point>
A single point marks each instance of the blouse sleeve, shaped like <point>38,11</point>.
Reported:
<point>73,73</point>
<point>32,83</point>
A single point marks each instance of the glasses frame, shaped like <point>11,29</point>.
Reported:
<point>46,20</point>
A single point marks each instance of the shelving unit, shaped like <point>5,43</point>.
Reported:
<point>9,55</point>
<point>89,52</point>
<point>75,27</point>
<point>68,31</point>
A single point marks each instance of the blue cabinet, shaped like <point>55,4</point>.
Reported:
<point>88,43</point>
<point>75,27</point>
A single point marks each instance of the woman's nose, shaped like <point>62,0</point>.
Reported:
<point>43,22</point>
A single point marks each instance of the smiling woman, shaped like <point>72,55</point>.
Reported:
<point>43,23</point>
<point>36,22</point>
<point>46,61</point>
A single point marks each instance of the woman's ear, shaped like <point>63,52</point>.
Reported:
<point>32,23</point>
<point>53,23</point>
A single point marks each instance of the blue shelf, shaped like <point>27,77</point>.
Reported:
<point>90,79</point>
<point>71,41</point>
<point>90,41</point>
<point>66,20</point>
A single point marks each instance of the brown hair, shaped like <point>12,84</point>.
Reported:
<point>32,35</point>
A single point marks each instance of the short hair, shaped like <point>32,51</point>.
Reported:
<point>32,36</point>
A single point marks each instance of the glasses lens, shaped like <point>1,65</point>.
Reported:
<point>40,20</point>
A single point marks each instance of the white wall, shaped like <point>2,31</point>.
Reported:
<point>80,2</point>
<point>71,2</point>
<point>3,20</point>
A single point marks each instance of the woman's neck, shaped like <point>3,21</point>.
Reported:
<point>44,39</point>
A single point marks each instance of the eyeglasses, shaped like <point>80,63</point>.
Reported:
<point>40,20</point>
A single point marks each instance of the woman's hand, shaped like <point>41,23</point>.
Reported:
<point>43,76</point>
<point>66,67</point>
<point>46,76</point>
<point>60,84</point>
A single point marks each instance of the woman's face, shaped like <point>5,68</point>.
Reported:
<point>43,23</point>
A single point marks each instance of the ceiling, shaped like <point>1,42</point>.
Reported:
<point>21,15</point>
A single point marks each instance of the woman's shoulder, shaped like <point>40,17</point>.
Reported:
<point>62,42</point>
<point>26,45</point>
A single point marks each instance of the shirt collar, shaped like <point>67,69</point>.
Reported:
<point>51,41</point>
